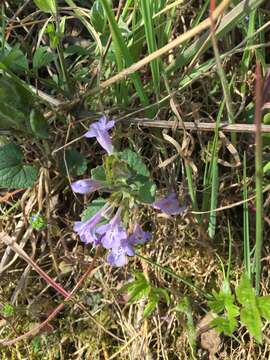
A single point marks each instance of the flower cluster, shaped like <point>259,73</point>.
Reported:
<point>106,226</point>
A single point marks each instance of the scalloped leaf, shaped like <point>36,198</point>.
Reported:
<point>13,173</point>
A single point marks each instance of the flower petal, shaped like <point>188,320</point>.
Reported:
<point>86,186</point>
<point>90,133</point>
<point>169,205</point>
<point>117,258</point>
<point>99,130</point>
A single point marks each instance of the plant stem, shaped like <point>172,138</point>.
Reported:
<point>246,220</point>
<point>259,177</point>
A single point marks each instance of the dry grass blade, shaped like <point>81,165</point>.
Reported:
<point>225,127</point>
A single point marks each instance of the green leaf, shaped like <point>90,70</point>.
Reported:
<point>138,288</point>
<point>263,303</point>
<point>222,298</point>
<point>39,125</point>
<point>8,310</point>
<point>139,291</point>
<point>15,105</point>
<point>249,314</point>
<point>46,5</point>
<point>161,293</point>
<point>93,208</point>
<point>98,173</point>
<point>76,163</point>
<point>53,37</point>
<point>42,57</point>
<point>150,308</point>
<point>224,301</point>
<point>117,171</point>
<point>62,26</point>
<point>245,293</point>
<point>250,317</point>
<point>266,167</point>
<point>13,173</point>
<point>147,192</point>
<point>218,303</point>
<point>37,221</point>
<point>225,325</point>
<point>97,17</point>
<point>14,59</point>
<point>135,162</point>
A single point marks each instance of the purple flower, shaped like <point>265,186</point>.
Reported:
<point>99,130</point>
<point>86,186</point>
<point>112,233</point>
<point>87,229</point>
<point>139,236</point>
<point>117,256</point>
<point>125,246</point>
<point>169,205</point>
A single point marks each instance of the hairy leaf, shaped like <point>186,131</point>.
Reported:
<point>263,303</point>
<point>245,292</point>
<point>135,162</point>
<point>98,173</point>
<point>13,173</point>
<point>225,325</point>
<point>250,317</point>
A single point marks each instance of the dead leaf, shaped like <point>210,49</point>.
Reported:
<point>209,337</point>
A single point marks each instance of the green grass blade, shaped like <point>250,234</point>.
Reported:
<point>119,42</point>
<point>147,14</point>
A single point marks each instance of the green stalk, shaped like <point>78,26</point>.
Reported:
<point>230,252</point>
<point>259,179</point>
<point>191,190</point>
<point>214,196</point>
<point>246,220</point>
<point>212,177</point>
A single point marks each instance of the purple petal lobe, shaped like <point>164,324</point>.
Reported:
<point>87,229</point>
<point>169,205</point>
<point>139,236</point>
<point>86,186</point>
<point>112,233</point>
<point>100,130</point>
<point>117,257</point>
<point>90,134</point>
